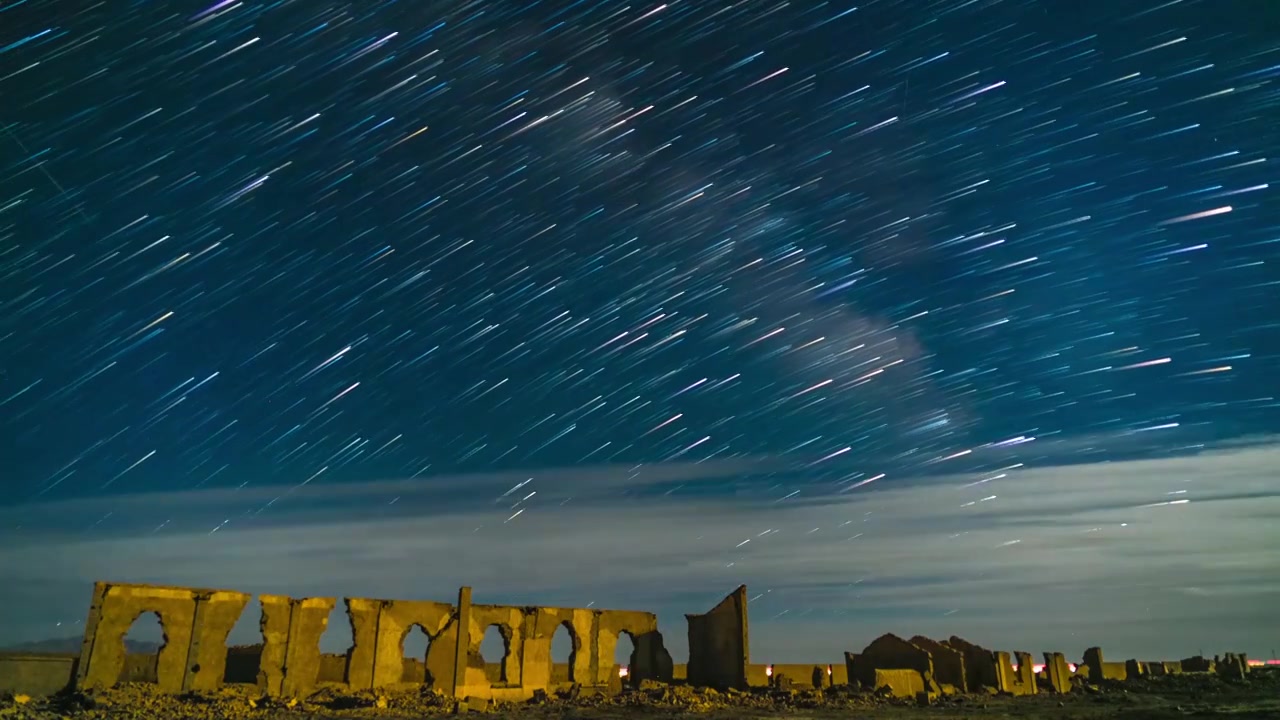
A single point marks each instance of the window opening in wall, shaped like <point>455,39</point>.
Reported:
<point>416,644</point>
<point>335,645</point>
<point>142,645</point>
<point>493,650</point>
<point>562,654</point>
<point>244,646</point>
<point>624,654</point>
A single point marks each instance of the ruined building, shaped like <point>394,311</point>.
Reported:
<point>195,657</point>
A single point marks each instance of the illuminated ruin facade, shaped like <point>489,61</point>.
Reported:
<point>196,624</point>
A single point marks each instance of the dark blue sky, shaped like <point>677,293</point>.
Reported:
<point>289,245</point>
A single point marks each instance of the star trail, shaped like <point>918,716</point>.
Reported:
<point>286,244</point>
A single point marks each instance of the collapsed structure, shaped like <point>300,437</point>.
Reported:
<point>196,624</point>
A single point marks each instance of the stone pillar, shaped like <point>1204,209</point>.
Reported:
<point>274,624</point>
<point>463,641</point>
<point>1006,680</point>
<point>216,613</point>
<point>90,633</point>
<point>1093,658</point>
<point>307,622</point>
<point>365,615</point>
<point>1026,674</point>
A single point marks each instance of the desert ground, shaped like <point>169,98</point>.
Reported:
<point>1175,696</point>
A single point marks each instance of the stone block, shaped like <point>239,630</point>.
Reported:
<point>216,613</point>
<point>902,683</point>
<point>1233,666</point>
<point>1057,672</point>
<point>979,664</point>
<point>1196,663</point>
<point>948,662</point>
<point>291,630</point>
<point>890,652</point>
<point>1015,681</point>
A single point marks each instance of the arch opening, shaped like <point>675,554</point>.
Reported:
<point>624,654</point>
<point>244,646</point>
<point>494,649</point>
<point>415,645</point>
<point>564,652</point>
<point>336,643</point>
<point>143,642</point>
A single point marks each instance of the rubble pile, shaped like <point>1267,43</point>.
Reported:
<point>1179,694</point>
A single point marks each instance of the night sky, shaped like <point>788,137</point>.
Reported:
<point>915,316</point>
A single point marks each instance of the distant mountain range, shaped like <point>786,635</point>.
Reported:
<point>71,646</point>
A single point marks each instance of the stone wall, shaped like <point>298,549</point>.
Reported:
<point>196,623</point>
<point>719,651</point>
<point>36,673</point>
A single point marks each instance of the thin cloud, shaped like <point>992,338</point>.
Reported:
<point>1151,558</point>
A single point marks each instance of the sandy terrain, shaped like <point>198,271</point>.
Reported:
<point>1182,696</point>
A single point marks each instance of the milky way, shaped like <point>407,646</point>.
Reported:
<point>314,242</point>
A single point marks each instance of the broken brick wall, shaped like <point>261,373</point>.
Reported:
<point>196,623</point>
<point>718,644</point>
<point>889,652</point>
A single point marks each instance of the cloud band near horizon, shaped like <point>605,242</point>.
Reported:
<point>1150,558</point>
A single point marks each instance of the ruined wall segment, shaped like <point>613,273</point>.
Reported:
<point>1011,680</point>
<point>948,663</point>
<point>1100,670</point>
<point>506,673</point>
<point>395,620</point>
<point>195,623</point>
<point>719,648</point>
<point>541,625</point>
<point>216,613</point>
<point>363,615</point>
<point>979,663</point>
<point>649,661</point>
<point>1057,673</point>
<point>291,630</point>
<point>889,652</point>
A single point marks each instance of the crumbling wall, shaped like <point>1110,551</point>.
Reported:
<point>195,623</point>
<point>537,667</point>
<point>1057,672</point>
<point>506,671</point>
<point>395,620</point>
<point>36,674</point>
<point>291,630</point>
<point>1233,666</point>
<point>889,652</point>
<point>903,683</point>
<point>1020,680</point>
<point>796,675</point>
<point>650,659</point>
<point>1196,663</point>
<point>948,663</point>
<point>719,650</point>
<point>979,663</point>
<point>1100,670</point>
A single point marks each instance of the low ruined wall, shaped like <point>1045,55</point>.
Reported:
<point>799,676</point>
<point>196,623</point>
<point>36,674</point>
